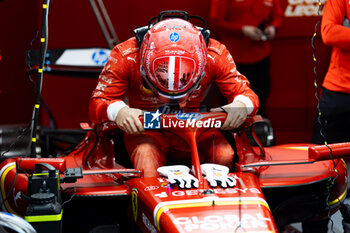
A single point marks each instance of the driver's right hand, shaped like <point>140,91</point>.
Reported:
<point>128,120</point>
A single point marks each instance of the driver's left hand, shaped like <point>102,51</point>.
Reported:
<point>236,114</point>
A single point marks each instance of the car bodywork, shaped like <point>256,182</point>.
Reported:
<point>276,186</point>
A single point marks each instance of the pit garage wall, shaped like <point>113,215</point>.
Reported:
<point>292,103</point>
<point>72,24</point>
<point>18,23</point>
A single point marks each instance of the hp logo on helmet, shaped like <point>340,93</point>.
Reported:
<point>174,37</point>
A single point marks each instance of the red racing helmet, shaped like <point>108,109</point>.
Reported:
<point>173,58</point>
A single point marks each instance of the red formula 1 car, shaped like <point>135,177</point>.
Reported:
<point>88,191</point>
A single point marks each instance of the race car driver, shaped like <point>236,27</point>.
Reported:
<point>170,72</point>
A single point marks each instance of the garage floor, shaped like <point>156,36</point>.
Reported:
<point>336,218</point>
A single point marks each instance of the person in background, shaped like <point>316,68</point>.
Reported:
<point>334,104</point>
<point>246,28</point>
<point>332,124</point>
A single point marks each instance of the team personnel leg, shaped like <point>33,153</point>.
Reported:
<point>334,123</point>
<point>335,118</point>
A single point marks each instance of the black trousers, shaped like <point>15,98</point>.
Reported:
<point>334,121</point>
<point>258,75</point>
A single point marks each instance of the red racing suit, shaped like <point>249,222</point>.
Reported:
<point>335,34</point>
<point>228,18</point>
<point>121,79</point>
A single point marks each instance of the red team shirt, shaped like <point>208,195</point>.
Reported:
<point>229,16</point>
<point>337,36</point>
<point>121,78</point>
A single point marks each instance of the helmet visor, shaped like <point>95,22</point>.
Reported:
<point>174,73</point>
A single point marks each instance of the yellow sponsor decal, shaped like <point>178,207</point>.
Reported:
<point>134,201</point>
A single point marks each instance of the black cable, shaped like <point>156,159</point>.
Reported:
<point>43,48</point>
<point>34,86</point>
<point>2,155</point>
<point>256,140</point>
<point>28,61</point>
<point>19,162</point>
<point>38,91</point>
<point>71,197</point>
<point>331,180</point>
<point>315,72</point>
<point>93,148</point>
<point>23,132</point>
